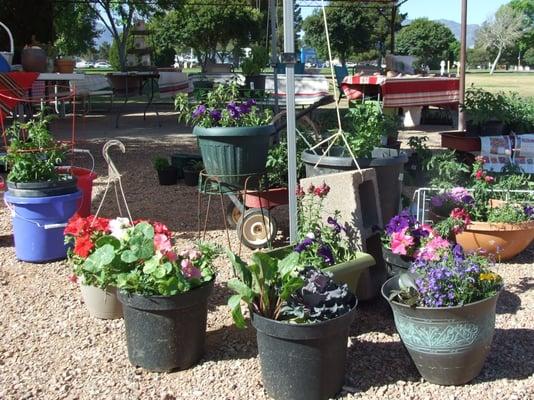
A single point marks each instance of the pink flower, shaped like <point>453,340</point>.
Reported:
<point>194,254</point>
<point>430,252</point>
<point>171,256</point>
<point>162,243</point>
<point>489,179</point>
<point>189,270</point>
<point>400,242</point>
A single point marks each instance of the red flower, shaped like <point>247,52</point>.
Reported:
<point>75,226</point>
<point>311,189</point>
<point>161,228</point>
<point>322,191</point>
<point>489,179</point>
<point>479,174</point>
<point>83,246</point>
<point>98,224</point>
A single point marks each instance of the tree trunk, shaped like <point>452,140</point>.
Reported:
<point>496,61</point>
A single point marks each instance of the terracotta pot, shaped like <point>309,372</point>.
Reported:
<point>101,303</point>
<point>33,59</point>
<point>64,66</point>
<point>504,241</point>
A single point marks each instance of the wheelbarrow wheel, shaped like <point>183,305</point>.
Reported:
<point>233,215</point>
<point>257,228</point>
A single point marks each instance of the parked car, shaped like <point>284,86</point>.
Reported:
<point>102,64</point>
<point>84,64</point>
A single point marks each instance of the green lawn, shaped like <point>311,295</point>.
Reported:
<point>522,83</point>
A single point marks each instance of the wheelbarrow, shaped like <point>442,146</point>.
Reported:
<point>8,55</point>
<point>249,212</point>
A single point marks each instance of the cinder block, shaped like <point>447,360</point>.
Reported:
<point>355,195</point>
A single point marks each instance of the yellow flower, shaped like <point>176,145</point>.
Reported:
<point>489,276</point>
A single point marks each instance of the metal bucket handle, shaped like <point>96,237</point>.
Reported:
<point>11,42</point>
<point>45,226</point>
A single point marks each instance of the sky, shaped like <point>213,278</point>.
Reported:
<point>477,10</point>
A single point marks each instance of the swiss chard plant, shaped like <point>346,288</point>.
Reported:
<point>284,291</point>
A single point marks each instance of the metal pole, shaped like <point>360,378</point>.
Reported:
<point>463,49</point>
<point>289,47</point>
<point>274,48</point>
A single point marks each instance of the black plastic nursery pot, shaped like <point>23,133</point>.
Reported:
<point>180,160</point>
<point>255,82</point>
<point>448,345</point>
<point>396,263</point>
<point>387,171</point>
<point>168,175</point>
<point>303,361</point>
<point>67,185</point>
<point>190,176</point>
<point>233,153</point>
<point>166,333</point>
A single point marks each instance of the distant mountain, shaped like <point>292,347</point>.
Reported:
<point>456,27</point>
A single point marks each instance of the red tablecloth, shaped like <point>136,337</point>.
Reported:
<point>14,86</point>
<point>405,92</point>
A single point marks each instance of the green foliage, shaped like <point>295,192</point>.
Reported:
<point>510,213</point>
<point>161,163</point>
<point>446,171</point>
<point>354,21</point>
<point>482,106</point>
<point>196,165</point>
<point>258,60</point>
<point>264,285</point>
<point>33,154</point>
<point>427,40</point>
<point>420,149</point>
<point>365,129</point>
<point>519,115</point>
<point>75,28</point>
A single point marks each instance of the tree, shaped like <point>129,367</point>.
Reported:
<point>427,40</point>
<point>526,42</point>
<point>529,57</point>
<point>75,28</point>
<point>478,56</point>
<point>209,30</point>
<point>501,31</point>
<point>118,17</point>
<point>350,29</point>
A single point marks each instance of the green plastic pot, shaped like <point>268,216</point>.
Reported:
<point>234,153</point>
<point>348,272</point>
<point>448,345</point>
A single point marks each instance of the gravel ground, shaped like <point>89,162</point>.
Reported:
<point>51,349</point>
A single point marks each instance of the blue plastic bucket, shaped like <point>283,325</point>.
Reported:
<point>38,225</point>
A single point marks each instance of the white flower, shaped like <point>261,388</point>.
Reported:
<point>311,236</point>
<point>118,227</point>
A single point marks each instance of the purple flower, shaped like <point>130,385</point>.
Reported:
<point>461,195</point>
<point>458,253</point>
<point>399,222</point>
<point>335,225</point>
<point>233,109</point>
<point>250,102</point>
<point>307,242</point>
<point>437,201</point>
<point>215,115</point>
<point>326,253</point>
<point>529,211</point>
<point>199,111</point>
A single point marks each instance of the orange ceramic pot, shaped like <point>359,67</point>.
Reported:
<point>504,241</point>
<point>65,66</point>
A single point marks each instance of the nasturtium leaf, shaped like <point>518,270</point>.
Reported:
<point>129,257</point>
<point>108,239</point>
<point>159,272</point>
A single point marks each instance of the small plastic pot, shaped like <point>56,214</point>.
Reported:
<point>168,176</point>
<point>190,176</point>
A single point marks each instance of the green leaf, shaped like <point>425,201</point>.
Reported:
<point>268,266</point>
<point>150,265</point>
<point>241,289</point>
<point>145,229</point>
<point>234,302</point>
<point>159,272</point>
<point>129,257</point>
<point>108,239</point>
<point>241,269</point>
<point>288,264</point>
<point>290,287</point>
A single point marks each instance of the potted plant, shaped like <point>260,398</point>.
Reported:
<point>366,128</point>
<point>95,273</point>
<point>405,239</point>
<point>233,135</point>
<point>444,312</point>
<point>486,112</point>
<point>192,172</point>
<point>167,173</point>
<point>164,294</point>
<point>302,320</point>
<point>476,225</point>
<point>253,66</point>
<point>418,160</point>
<point>64,65</point>
<point>442,204</point>
<point>41,198</point>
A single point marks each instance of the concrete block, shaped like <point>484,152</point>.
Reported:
<point>355,195</point>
